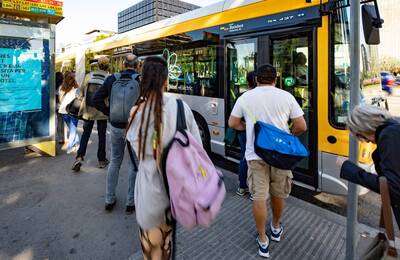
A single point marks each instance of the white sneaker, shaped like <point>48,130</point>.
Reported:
<point>241,191</point>
<point>70,150</point>
<point>73,149</point>
<point>276,236</point>
<point>263,250</point>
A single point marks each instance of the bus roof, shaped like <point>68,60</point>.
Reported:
<point>215,14</point>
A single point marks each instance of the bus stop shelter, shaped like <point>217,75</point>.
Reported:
<point>27,84</point>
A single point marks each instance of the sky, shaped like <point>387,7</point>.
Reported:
<point>82,16</point>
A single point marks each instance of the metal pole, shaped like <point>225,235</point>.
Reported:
<point>352,197</point>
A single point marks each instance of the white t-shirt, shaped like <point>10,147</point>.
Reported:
<point>66,98</point>
<point>269,105</point>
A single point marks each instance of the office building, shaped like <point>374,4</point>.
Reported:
<point>150,11</point>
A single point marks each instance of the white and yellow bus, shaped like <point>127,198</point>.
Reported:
<point>210,51</point>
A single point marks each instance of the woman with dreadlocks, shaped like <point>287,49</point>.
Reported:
<point>151,127</point>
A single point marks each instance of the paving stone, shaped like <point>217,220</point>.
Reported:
<point>307,235</point>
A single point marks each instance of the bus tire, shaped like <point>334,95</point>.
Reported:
<point>204,132</point>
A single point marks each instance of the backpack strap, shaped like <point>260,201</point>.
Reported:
<point>117,76</point>
<point>135,76</point>
<point>181,119</point>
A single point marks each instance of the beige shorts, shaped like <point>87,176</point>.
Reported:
<point>264,179</point>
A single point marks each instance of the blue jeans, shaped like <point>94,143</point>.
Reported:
<point>117,155</point>
<point>243,163</point>
<point>72,124</point>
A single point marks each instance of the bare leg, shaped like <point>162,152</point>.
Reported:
<point>277,205</point>
<point>260,217</point>
<point>156,242</point>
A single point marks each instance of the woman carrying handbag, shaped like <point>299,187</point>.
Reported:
<point>68,93</point>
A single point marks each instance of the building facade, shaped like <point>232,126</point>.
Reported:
<point>390,36</point>
<point>150,11</point>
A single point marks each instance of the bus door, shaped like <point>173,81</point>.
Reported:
<point>293,56</point>
<point>241,58</point>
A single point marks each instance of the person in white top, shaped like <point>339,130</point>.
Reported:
<point>68,92</point>
<point>301,69</point>
<point>276,107</point>
<point>151,128</point>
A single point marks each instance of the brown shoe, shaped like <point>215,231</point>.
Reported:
<point>103,164</point>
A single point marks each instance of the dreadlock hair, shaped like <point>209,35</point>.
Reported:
<point>152,83</point>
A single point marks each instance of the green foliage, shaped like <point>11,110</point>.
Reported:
<point>102,37</point>
<point>390,64</point>
<point>58,66</point>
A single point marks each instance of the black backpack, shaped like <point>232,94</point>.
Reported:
<point>94,83</point>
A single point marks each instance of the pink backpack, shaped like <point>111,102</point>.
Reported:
<point>196,188</point>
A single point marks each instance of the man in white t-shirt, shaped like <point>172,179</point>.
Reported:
<point>274,106</point>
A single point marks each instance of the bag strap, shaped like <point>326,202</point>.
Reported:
<point>181,119</point>
<point>130,151</point>
<point>134,76</point>
<point>387,215</point>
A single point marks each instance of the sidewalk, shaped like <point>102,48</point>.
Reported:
<point>49,212</point>
<point>310,233</point>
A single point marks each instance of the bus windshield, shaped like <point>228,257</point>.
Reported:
<point>340,72</point>
<point>340,77</point>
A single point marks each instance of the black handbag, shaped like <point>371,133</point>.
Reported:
<point>382,247</point>
<point>74,107</point>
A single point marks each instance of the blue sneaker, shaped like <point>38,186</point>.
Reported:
<point>263,250</point>
<point>276,236</point>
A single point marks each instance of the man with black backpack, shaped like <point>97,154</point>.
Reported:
<point>122,91</point>
<point>93,81</point>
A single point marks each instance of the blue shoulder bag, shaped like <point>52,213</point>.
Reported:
<point>276,147</point>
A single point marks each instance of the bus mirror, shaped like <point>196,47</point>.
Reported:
<point>371,24</point>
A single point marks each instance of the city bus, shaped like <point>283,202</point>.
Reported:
<point>210,51</point>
